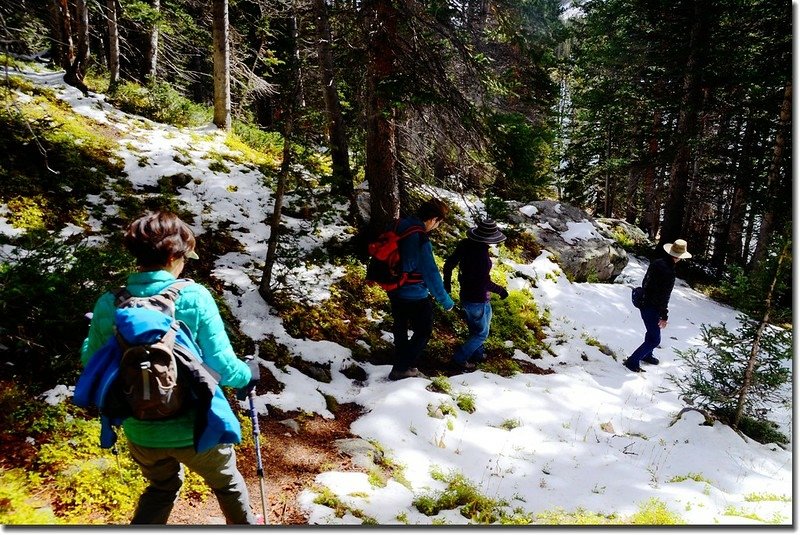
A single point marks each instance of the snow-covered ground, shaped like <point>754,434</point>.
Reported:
<point>592,435</point>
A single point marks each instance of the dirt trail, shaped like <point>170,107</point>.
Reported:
<point>291,462</point>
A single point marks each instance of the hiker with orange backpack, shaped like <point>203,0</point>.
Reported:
<point>419,279</point>
<point>161,244</point>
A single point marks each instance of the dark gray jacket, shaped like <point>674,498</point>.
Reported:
<point>657,284</point>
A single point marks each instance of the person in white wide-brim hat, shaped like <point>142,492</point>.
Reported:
<point>656,290</point>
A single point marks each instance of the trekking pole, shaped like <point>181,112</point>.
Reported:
<point>260,467</point>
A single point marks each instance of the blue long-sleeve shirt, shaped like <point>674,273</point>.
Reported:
<point>416,256</point>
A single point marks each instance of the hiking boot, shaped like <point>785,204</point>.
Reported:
<point>637,369</point>
<point>396,375</point>
<point>650,360</point>
<point>464,366</point>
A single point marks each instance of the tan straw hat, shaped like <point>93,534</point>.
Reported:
<point>677,249</point>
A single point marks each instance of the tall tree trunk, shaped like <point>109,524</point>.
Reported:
<point>77,69</point>
<point>222,74</point>
<point>687,125</point>
<point>292,104</point>
<point>720,235</point>
<point>113,44</point>
<point>751,361</point>
<point>652,206</point>
<point>149,68</point>
<point>337,134</point>
<point>477,11</point>
<point>381,172</point>
<point>773,182</point>
<point>63,34</point>
<point>741,188</point>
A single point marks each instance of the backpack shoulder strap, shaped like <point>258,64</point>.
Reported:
<point>121,295</point>
<point>171,292</point>
<point>411,230</point>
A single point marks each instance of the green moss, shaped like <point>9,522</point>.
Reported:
<point>341,318</point>
<point>28,212</point>
<point>517,319</point>
<point>509,424</point>
<point>654,512</point>
<point>744,513</point>
<point>53,157</point>
<point>767,497</point>
<point>440,383</point>
<point>691,475</point>
<point>466,401</point>
<point>505,367</point>
<point>328,498</point>
<point>579,517</point>
<point>18,502</point>
<point>160,102</point>
<point>459,493</point>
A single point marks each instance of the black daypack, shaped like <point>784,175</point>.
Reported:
<point>637,296</point>
<point>150,382</point>
<point>384,267</point>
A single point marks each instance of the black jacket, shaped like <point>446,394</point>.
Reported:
<point>474,265</point>
<point>657,284</point>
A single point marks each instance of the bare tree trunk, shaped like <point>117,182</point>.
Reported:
<point>63,34</point>
<point>222,74</point>
<point>381,172</point>
<point>773,182</point>
<point>734,248</point>
<point>751,362</point>
<point>342,176</point>
<point>113,44</point>
<point>264,288</point>
<point>687,125</point>
<point>652,215</point>
<point>77,69</point>
<point>149,68</point>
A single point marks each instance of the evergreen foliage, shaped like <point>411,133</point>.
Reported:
<point>717,369</point>
<point>45,288</point>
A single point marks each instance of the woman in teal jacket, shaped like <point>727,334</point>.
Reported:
<point>161,243</point>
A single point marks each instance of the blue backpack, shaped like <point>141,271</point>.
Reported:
<point>151,369</point>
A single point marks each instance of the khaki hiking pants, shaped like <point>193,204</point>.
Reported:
<point>163,468</point>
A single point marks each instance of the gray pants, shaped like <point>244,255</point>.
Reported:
<point>163,469</point>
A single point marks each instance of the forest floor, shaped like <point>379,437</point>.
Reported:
<point>291,461</point>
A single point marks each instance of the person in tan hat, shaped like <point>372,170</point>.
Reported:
<point>657,287</point>
<point>474,264</point>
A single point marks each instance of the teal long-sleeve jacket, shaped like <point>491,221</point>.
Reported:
<point>196,308</point>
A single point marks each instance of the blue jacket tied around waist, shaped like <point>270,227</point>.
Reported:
<point>215,422</point>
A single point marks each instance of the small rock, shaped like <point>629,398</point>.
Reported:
<point>291,424</point>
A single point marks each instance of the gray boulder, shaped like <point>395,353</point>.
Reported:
<point>574,238</point>
<point>620,230</point>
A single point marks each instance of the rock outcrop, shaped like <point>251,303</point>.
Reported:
<point>574,238</point>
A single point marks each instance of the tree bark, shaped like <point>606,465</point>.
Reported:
<point>773,182</point>
<point>63,38</point>
<point>149,69</point>
<point>77,69</point>
<point>113,44</point>
<point>741,188</point>
<point>652,206</point>
<point>674,210</point>
<point>222,75</point>
<point>381,172</point>
<point>337,134</point>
